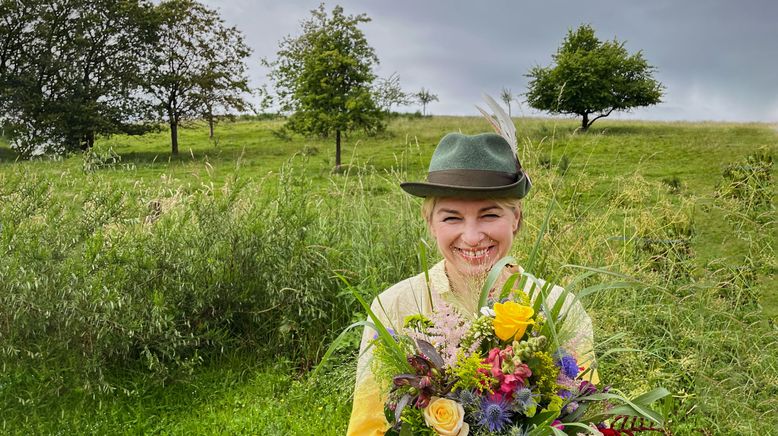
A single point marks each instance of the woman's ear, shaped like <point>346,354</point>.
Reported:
<point>517,220</point>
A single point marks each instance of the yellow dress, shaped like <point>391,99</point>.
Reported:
<point>410,297</point>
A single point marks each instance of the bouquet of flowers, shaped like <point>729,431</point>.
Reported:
<point>510,369</point>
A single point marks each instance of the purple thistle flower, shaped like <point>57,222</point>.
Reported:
<point>494,414</point>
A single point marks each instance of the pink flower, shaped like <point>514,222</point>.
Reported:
<point>507,383</point>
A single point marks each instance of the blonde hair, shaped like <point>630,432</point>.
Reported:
<point>513,204</point>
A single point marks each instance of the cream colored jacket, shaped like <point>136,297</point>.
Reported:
<point>410,297</point>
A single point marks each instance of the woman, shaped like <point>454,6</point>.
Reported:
<point>472,208</point>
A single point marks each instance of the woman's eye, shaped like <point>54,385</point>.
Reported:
<point>491,215</point>
<point>450,219</point>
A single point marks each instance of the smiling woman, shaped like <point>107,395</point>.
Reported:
<point>472,207</point>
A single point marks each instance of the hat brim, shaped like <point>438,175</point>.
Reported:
<point>518,189</point>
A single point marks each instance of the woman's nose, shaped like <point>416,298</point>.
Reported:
<point>472,235</point>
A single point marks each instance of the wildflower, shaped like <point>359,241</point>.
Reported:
<point>516,376</point>
<point>486,311</point>
<point>524,402</point>
<point>495,413</point>
<point>571,407</point>
<point>567,364</point>
<point>391,332</point>
<point>481,331</point>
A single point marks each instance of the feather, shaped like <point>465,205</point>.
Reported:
<point>502,123</point>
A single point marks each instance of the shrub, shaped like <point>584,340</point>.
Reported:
<point>157,278</point>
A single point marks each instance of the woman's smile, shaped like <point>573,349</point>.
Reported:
<point>472,234</point>
<point>475,256</point>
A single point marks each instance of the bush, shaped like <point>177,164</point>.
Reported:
<point>154,279</point>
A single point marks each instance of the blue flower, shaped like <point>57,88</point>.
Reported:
<point>524,401</point>
<point>391,332</point>
<point>494,414</point>
<point>567,364</point>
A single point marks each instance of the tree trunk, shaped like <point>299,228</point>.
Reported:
<point>585,122</point>
<point>174,135</point>
<point>337,150</point>
<point>210,126</point>
<point>87,140</point>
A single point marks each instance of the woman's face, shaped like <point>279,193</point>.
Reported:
<point>473,234</point>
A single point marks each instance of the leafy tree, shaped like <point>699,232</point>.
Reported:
<point>324,77</point>
<point>425,97</point>
<point>507,97</point>
<point>592,77</point>
<point>197,66</point>
<point>68,70</point>
<point>388,92</point>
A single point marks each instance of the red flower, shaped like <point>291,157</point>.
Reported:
<point>507,383</point>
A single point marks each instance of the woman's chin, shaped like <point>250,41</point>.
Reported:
<point>468,268</point>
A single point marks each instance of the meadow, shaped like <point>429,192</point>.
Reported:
<point>146,293</point>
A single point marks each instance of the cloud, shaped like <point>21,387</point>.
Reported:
<point>717,58</point>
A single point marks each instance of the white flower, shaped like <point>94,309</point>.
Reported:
<point>485,311</point>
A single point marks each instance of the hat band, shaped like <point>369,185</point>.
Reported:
<point>472,178</point>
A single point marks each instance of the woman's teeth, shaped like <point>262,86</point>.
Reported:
<point>473,254</point>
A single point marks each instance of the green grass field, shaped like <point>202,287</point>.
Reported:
<point>706,319</point>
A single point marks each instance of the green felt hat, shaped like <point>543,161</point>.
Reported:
<point>477,166</point>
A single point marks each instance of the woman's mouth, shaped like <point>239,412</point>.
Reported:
<point>478,255</point>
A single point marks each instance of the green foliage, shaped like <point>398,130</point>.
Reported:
<point>472,373</point>
<point>197,67</point>
<point>592,77</point>
<point>69,71</point>
<point>417,322</point>
<point>388,92</point>
<point>414,424</point>
<point>750,182</point>
<point>324,77</point>
<point>708,334</point>
<point>157,278</point>
<point>544,375</point>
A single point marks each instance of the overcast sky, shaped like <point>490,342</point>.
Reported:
<point>717,59</point>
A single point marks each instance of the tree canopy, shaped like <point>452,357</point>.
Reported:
<point>71,70</point>
<point>324,77</point>
<point>68,71</point>
<point>592,78</point>
<point>197,66</point>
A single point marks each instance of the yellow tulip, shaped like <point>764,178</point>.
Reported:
<point>511,320</point>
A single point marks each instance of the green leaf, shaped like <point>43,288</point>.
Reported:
<point>494,274</point>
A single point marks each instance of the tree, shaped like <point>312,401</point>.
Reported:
<point>592,77</point>
<point>388,92</point>
<point>69,70</point>
<point>507,97</point>
<point>197,67</point>
<point>425,97</point>
<point>324,77</point>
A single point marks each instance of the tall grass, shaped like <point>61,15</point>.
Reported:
<point>102,277</point>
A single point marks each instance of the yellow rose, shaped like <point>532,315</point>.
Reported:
<point>446,417</point>
<point>511,320</point>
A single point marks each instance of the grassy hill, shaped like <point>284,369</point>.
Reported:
<point>687,208</point>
